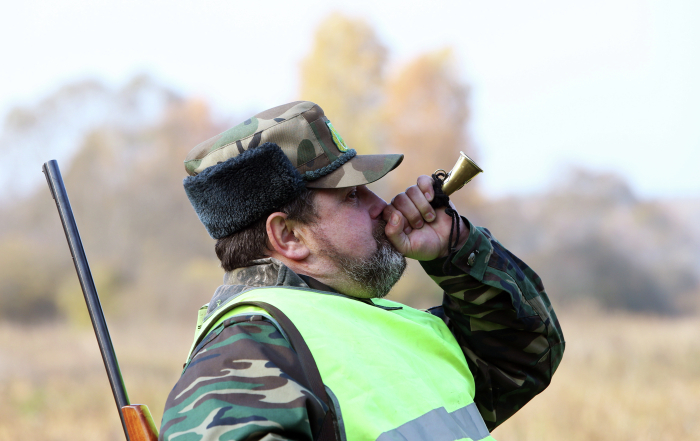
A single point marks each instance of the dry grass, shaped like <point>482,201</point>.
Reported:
<point>54,385</point>
<point>623,378</point>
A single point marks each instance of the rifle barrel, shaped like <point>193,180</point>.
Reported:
<point>58,191</point>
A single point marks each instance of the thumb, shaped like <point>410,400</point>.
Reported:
<point>394,230</point>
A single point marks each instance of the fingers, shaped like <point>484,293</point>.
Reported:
<point>414,203</point>
<point>425,183</point>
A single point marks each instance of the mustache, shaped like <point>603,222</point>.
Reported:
<point>379,230</point>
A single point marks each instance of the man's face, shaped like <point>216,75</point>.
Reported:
<point>349,234</point>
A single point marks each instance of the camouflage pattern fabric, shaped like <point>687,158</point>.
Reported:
<point>306,137</point>
<point>497,308</point>
<point>265,389</point>
<point>494,304</point>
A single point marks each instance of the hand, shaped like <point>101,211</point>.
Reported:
<point>416,229</point>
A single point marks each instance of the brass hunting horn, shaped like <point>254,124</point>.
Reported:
<point>464,170</point>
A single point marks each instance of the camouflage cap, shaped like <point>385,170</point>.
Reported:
<point>261,164</point>
<point>306,137</point>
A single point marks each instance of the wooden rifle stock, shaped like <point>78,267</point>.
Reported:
<point>139,423</point>
<point>136,418</point>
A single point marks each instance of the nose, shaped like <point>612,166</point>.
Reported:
<point>375,204</point>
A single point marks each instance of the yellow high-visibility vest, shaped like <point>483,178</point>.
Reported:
<point>394,372</point>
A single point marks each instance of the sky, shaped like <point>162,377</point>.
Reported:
<point>606,85</point>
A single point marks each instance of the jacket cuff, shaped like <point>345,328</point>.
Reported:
<point>471,259</point>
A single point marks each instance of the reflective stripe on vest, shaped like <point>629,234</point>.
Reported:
<point>397,375</point>
<point>438,425</point>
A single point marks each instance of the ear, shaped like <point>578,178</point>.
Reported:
<point>284,239</point>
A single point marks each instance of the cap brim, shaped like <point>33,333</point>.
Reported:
<point>360,170</point>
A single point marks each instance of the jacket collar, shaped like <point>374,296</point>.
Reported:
<point>262,272</point>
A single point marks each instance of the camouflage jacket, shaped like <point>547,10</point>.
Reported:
<point>244,381</point>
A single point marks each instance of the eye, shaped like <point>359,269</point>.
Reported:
<point>352,194</point>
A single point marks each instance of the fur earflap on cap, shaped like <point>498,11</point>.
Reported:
<point>233,194</point>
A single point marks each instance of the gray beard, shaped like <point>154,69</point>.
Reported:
<point>377,274</point>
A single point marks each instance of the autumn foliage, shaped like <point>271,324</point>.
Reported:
<point>589,237</point>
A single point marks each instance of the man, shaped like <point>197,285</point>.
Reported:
<point>299,343</point>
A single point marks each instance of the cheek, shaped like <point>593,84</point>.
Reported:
<point>353,238</point>
<point>361,240</point>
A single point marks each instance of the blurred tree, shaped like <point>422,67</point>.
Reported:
<point>136,186</point>
<point>125,186</point>
<point>27,279</point>
<point>426,115</point>
<point>71,303</point>
<point>591,239</point>
<point>344,75</point>
<point>54,126</point>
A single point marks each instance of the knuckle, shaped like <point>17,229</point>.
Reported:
<point>399,199</point>
<point>413,191</point>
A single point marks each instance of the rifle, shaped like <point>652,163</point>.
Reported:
<point>135,418</point>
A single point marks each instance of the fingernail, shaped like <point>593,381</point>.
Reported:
<point>394,219</point>
<point>419,224</point>
<point>429,217</point>
<point>428,197</point>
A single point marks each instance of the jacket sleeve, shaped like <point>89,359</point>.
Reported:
<point>497,309</point>
<point>245,383</point>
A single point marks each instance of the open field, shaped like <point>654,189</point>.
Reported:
<point>623,378</point>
